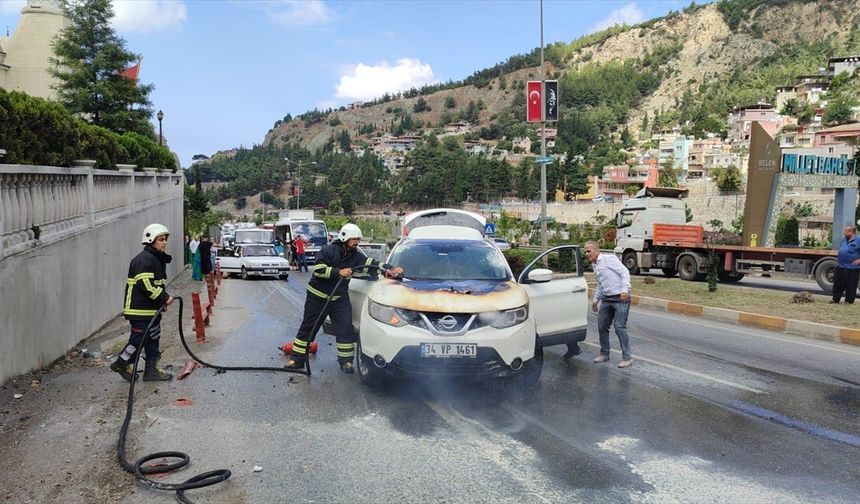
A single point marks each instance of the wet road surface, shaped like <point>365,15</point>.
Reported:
<point>708,413</point>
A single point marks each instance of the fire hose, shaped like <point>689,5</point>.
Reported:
<point>209,478</point>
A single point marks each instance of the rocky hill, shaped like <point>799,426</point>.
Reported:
<point>708,44</point>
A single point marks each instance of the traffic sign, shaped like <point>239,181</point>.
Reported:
<point>544,160</point>
<point>489,228</point>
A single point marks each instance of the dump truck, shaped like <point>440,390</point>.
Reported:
<point>652,232</point>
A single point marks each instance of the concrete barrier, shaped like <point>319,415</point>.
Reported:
<point>66,238</point>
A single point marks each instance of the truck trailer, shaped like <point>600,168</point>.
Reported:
<point>652,232</point>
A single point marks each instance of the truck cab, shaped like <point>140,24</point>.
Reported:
<point>292,223</point>
<point>635,221</point>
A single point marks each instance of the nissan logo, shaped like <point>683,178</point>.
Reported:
<point>448,322</point>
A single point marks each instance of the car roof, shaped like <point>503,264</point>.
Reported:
<point>443,232</point>
<point>443,216</point>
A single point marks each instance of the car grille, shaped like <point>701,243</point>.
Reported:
<point>445,322</point>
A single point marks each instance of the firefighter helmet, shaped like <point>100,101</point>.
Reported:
<point>152,232</point>
<point>349,231</point>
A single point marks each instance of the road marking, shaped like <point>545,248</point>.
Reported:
<point>688,371</point>
<point>730,328</point>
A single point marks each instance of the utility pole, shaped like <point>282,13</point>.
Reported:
<point>543,243</point>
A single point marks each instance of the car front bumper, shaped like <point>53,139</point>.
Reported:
<point>399,346</point>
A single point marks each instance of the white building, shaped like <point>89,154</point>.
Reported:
<point>25,56</point>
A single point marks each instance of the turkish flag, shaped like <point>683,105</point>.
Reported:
<point>297,190</point>
<point>534,102</point>
<point>131,72</point>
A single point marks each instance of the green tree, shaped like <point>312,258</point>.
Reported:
<point>668,175</point>
<point>421,106</point>
<point>450,102</point>
<point>728,179</point>
<point>839,110</point>
<point>577,180</point>
<point>791,107</point>
<point>87,63</point>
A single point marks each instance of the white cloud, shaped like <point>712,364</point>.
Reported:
<point>365,82</point>
<point>294,13</point>
<point>12,6</point>
<point>143,16</point>
<point>628,14</point>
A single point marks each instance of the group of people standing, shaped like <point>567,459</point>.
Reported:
<point>202,256</point>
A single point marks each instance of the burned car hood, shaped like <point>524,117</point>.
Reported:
<point>450,296</point>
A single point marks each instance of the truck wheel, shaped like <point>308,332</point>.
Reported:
<point>688,269</point>
<point>825,275</point>
<point>669,272</point>
<point>368,373</point>
<point>244,273</point>
<point>631,262</point>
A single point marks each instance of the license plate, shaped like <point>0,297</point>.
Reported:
<point>445,350</point>
<point>270,271</point>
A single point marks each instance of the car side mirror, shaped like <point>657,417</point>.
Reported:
<point>540,275</point>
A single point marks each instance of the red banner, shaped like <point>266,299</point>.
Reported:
<point>534,102</point>
<point>131,72</point>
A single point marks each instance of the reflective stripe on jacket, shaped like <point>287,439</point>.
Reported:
<point>329,261</point>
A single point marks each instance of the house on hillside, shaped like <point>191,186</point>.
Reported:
<point>844,64</point>
<point>617,178</point>
<point>837,135</point>
<point>740,122</point>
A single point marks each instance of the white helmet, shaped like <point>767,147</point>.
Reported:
<point>349,231</point>
<point>152,232</point>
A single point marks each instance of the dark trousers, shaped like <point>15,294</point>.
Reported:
<point>340,312</point>
<point>300,262</point>
<point>845,282</point>
<point>136,337</point>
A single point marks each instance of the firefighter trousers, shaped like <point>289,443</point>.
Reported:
<point>340,312</point>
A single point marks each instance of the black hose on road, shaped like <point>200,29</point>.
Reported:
<point>208,478</point>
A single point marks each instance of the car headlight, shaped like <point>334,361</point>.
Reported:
<point>505,318</point>
<point>397,317</point>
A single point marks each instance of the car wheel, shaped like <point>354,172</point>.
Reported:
<point>368,373</point>
<point>244,273</point>
<point>521,385</point>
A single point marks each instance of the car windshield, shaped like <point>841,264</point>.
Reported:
<point>313,232</point>
<point>449,260</point>
<point>259,251</point>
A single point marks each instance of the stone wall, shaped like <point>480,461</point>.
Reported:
<point>66,238</point>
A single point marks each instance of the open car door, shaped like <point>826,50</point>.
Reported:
<point>230,260</point>
<point>558,295</point>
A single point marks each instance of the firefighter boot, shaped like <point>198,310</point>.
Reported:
<point>124,369</point>
<point>153,373</point>
<point>295,362</point>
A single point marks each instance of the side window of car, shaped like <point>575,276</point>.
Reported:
<point>564,262</point>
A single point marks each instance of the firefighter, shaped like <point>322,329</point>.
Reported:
<point>335,260</point>
<point>145,295</point>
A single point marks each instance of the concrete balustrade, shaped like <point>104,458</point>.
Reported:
<point>66,237</point>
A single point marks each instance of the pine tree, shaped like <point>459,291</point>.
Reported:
<point>88,60</point>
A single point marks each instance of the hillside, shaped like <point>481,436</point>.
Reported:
<point>701,46</point>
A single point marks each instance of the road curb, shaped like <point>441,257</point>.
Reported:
<point>835,334</point>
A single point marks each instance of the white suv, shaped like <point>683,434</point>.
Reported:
<point>459,310</point>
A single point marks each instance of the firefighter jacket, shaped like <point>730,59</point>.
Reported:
<point>145,289</point>
<point>330,259</point>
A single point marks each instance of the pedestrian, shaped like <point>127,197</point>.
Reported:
<point>300,253</point>
<point>205,255</point>
<point>334,261</point>
<point>194,248</point>
<point>611,301</point>
<point>145,296</point>
<point>847,267</point>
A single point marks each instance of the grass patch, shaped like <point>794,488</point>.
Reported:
<point>749,299</point>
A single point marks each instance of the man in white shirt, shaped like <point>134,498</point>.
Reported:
<point>611,301</point>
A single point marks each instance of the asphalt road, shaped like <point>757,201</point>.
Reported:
<point>708,413</point>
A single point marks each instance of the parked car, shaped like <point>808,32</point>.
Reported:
<point>459,310</point>
<point>502,244</point>
<point>249,260</point>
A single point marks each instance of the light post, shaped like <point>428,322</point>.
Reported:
<point>160,116</point>
<point>298,183</point>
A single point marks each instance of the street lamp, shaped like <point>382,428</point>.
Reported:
<point>160,116</point>
<point>299,178</point>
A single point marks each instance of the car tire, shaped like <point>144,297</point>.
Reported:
<point>244,273</point>
<point>368,373</point>
<point>522,384</point>
<point>631,262</point>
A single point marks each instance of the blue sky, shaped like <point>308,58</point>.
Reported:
<point>225,70</point>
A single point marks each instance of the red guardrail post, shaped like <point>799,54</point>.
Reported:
<point>198,318</point>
